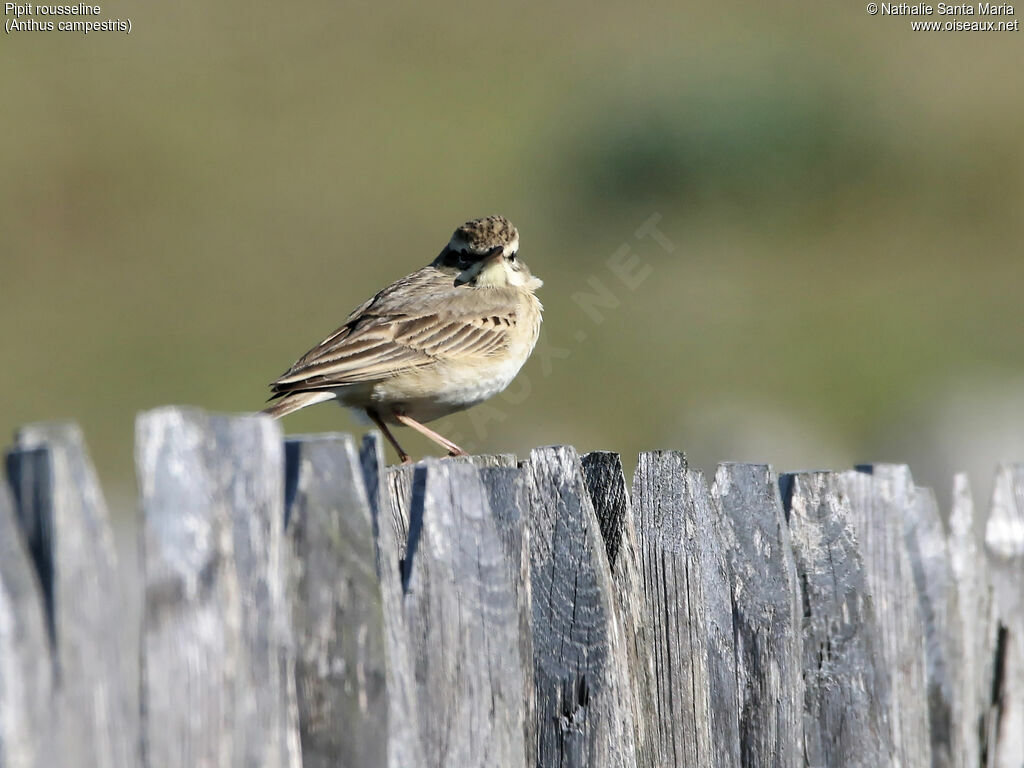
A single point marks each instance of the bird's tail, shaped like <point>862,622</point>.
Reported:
<point>296,400</point>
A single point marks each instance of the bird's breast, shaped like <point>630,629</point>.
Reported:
<point>448,386</point>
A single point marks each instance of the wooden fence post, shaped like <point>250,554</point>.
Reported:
<point>337,609</point>
<point>508,498</point>
<point>405,749</point>
<point>397,491</point>
<point>215,687</point>
<point>765,607</point>
<point>606,484</point>
<point>709,549</point>
<point>62,510</point>
<point>1004,543</point>
<point>937,597</point>
<point>672,513</point>
<point>878,496</point>
<point>26,668</point>
<point>977,619</point>
<point>845,692</point>
<point>463,624</point>
<point>580,661</point>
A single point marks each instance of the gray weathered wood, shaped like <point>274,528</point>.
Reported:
<point>845,699</point>
<point>580,661</point>
<point>396,503</point>
<point>488,460</point>
<point>398,490</point>
<point>191,632</point>
<point>710,545</point>
<point>606,484</point>
<point>1004,543</point>
<point>405,749</point>
<point>977,621</point>
<point>72,541</point>
<point>508,498</point>
<point>215,682</point>
<point>266,716</point>
<point>307,605</point>
<point>463,624</point>
<point>26,667</point>
<point>766,622</point>
<point>937,597</point>
<point>878,496</point>
<point>670,517</point>
<point>337,608</point>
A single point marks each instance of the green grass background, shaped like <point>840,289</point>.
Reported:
<point>185,210</point>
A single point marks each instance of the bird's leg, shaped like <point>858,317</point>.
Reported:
<point>444,442</point>
<point>402,455</point>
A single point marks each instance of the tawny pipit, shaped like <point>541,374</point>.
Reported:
<point>440,340</point>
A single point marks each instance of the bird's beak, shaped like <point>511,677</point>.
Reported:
<point>495,255</point>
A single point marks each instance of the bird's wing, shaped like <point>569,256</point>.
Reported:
<point>418,321</point>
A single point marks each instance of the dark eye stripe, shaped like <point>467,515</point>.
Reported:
<point>463,260</point>
<point>457,259</point>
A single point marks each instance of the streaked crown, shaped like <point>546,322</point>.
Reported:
<point>480,236</point>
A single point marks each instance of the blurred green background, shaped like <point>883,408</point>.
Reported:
<point>187,209</point>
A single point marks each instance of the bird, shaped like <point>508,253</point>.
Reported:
<point>439,340</point>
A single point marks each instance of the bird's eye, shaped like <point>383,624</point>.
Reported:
<point>512,256</point>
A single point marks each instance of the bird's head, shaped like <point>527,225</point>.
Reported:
<point>485,252</point>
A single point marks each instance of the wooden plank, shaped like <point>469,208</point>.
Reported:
<point>508,500</point>
<point>26,665</point>
<point>507,496</point>
<point>398,489</point>
<point>266,714</point>
<point>879,497</point>
<point>937,597</point>
<point>606,484</point>
<point>580,661</point>
<point>337,609</point>
<point>215,685</point>
<point>672,511</point>
<point>686,586</point>
<point>74,551</point>
<point>709,546</point>
<point>463,624</point>
<point>845,695</point>
<point>191,632</point>
<point>766,615</point>
<point>405,749</point>
<point>1004,544</point>
<point>977,620</point>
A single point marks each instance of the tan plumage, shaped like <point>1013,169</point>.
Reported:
<point>439,340</point>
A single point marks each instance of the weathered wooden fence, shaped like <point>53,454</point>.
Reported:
<point>306,605</point>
